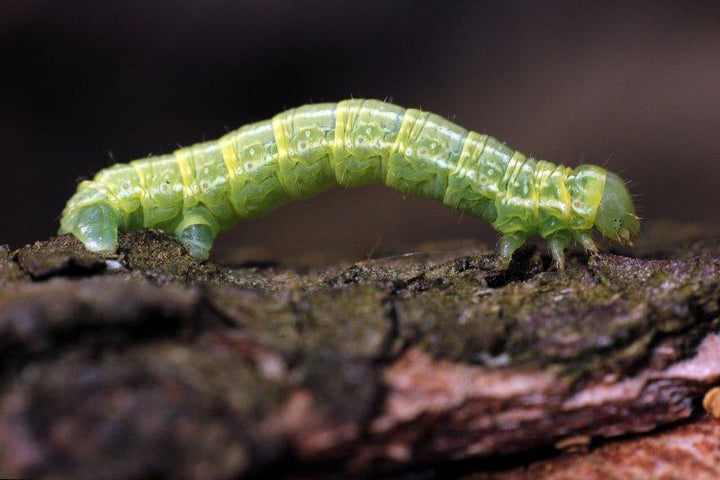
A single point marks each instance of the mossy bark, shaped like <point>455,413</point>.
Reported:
<point>148,363</point>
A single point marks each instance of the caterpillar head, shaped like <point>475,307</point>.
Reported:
<point>616,217</point>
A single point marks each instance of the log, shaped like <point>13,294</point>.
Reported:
<point>427,364</point>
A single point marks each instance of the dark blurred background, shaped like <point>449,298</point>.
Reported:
<point>632,86</point>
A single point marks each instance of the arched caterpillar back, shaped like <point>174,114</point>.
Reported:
<point>197,191</point>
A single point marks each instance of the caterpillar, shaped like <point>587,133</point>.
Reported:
<point>198,191</point>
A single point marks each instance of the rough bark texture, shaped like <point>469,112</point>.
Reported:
<point>434,364</point>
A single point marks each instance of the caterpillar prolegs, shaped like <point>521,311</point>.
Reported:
<point>197,191</point>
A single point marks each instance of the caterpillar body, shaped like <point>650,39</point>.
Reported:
<point>200,190</point>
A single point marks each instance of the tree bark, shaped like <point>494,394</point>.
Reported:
<point>434,364</point>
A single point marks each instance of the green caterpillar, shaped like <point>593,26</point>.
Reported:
<point>197,191</point>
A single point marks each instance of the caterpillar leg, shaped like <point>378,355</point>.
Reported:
<point>558,242</point>
<point>508,244</point>
<point>585,239</point>
<point>96,226</point>
<point>197,232</point>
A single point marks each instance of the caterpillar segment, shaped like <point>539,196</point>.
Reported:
<point>198,191</point>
